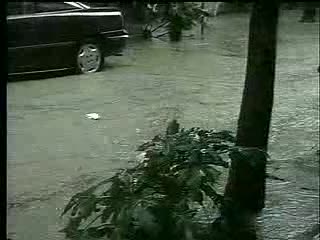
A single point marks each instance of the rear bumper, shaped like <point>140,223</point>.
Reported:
<point>115,41</point>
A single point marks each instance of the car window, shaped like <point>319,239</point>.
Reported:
<point>17,8</point>
<point>53,6</point>
<point>14,8</point>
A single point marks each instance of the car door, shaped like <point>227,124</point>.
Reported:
<point>55,35</point>
<point>21,37</point>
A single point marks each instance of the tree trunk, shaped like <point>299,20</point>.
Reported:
<point>175,28</point>
<point>245,190</point>
<point>140,11</point>
<point>257,99</point>
<point>202,21</point>
<point>256,107</point>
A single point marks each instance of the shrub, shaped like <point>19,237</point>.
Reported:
<point>157,198</point>
<point>175,18</point>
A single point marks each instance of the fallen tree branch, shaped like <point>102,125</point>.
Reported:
<point>161,25</point>
<point>160,35</point>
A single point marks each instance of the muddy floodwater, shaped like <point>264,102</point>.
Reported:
<point>55,151</point>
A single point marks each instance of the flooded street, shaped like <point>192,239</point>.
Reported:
<point>55,151</point>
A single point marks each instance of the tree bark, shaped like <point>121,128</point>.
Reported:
<point>256,109</point>
<point>245,190</point>
<point>257,100</point>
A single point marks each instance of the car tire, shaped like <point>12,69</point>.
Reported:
<point>89,57</point>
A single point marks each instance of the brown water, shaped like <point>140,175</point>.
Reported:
<point>54,150</point>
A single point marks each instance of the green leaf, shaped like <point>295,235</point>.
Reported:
<point>216,159</point>
<point>195,179</point>
<point>99,232</point>
<point>71,230</point>
<point>73,202</point>
<point>106,213</point>
<point>211,192</point>
<point>197,196</point>
<point>211,174</point>
<point>77,198</point>
<point>145,220</point>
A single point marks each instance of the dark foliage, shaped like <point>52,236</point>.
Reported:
<point>155,199</point>
<point>174,17</point>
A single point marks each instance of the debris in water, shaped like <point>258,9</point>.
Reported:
<point>201,44</point>
<point>93,116</point>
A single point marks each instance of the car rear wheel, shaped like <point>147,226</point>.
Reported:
<point>89,58</point>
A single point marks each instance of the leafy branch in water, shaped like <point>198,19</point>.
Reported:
<point>155,199</point>
<point>174,17</point>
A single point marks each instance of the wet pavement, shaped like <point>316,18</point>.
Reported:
<point>55,151</point>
